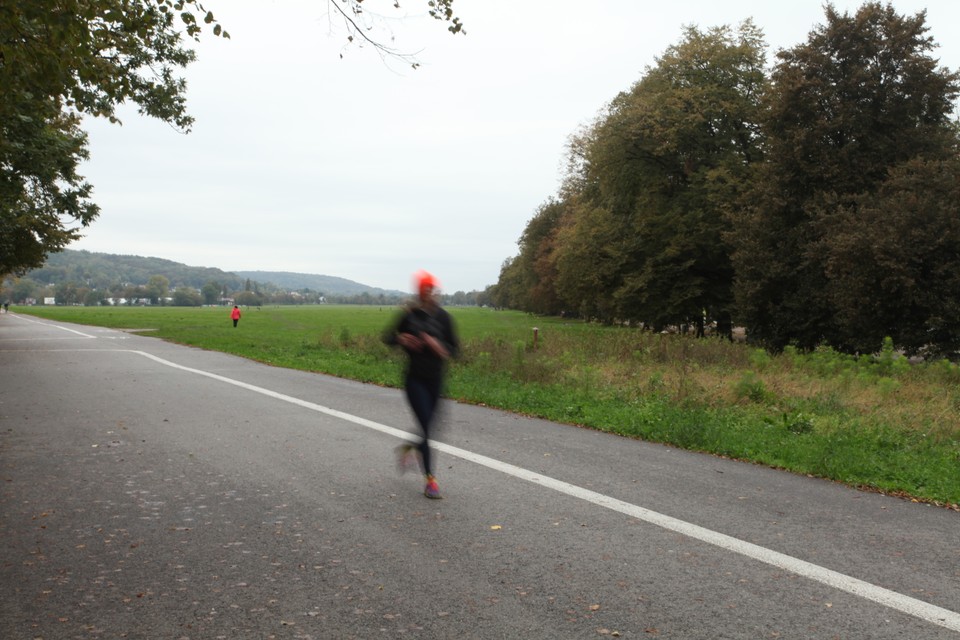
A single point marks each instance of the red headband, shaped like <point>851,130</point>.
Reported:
<point>423,279</point>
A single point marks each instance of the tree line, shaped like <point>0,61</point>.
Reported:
<point>157,290</point>
<point>85,278</point>
<point>91,279</point>
<point>813,203</point>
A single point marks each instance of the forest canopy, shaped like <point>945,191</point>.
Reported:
<point>814,202</point>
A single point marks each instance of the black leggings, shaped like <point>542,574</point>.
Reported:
<point>423,395</point>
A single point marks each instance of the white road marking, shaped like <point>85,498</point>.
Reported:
<point>49,340</point>
<point>55,326</point>
<point>892,599</point>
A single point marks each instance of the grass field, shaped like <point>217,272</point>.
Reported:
<point>875,421</point>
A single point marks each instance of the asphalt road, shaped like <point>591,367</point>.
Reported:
<point>150,490</point>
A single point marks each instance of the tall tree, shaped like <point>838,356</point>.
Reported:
<point>157,288</point>
<point>211,292</point>
<point>533,272</point>
<point>892,261</point>
<point>63,58</point>
<point>661,169</point>
<point>860,98</point>
<point>589,261</point>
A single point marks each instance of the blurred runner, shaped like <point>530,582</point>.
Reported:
<point>426,333</point>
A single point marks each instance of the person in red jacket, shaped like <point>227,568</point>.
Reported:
<point>235,315</point>
<point>426,333</point>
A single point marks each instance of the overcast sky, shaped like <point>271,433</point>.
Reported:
<point>368,170</point>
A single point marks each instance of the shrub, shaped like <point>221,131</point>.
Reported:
<point>751,388</point>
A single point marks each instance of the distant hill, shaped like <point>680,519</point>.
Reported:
<point>329,285</point>
<point>103,270</point>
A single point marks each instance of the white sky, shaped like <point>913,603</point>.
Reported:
<point>302,161</point>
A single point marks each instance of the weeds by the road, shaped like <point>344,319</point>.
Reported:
<point>875,421</point>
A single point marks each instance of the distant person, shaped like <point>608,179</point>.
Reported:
<point>426,333</point>
<point>6,307</point>
<point>235,315</point>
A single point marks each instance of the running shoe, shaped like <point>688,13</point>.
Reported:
<point>432,490</point>
<point>406,458</point>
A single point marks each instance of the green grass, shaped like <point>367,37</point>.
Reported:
<point>872,421</point>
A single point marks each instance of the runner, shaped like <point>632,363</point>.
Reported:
<point>426,333</point>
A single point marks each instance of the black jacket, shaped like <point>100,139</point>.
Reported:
<point>425,363</point>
